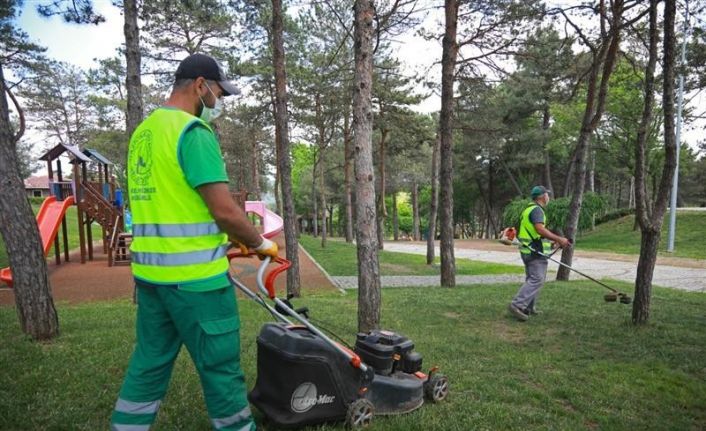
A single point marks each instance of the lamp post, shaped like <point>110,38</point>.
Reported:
<point>675,183</point>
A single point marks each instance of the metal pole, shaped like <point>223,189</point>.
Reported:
<point>675,183</point>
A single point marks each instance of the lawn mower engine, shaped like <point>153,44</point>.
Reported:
<point>399,386</point>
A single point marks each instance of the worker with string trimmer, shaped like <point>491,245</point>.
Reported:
<point>533,235</point>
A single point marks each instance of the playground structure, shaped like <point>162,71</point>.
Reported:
<point>270,222</point>
<point>98,200</point>
<point>91,189</point>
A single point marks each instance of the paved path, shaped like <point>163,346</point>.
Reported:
<point>351,282</point>
<point>691,279</point>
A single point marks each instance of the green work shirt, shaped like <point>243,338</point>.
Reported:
<point>200,157</point>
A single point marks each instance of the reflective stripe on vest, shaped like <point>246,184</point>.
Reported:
<point>176,259</point>
<point>175,230</point>
<point>175,238</point>
<point>528,232</point>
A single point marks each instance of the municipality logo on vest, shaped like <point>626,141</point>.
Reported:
<point>140,158</point>
<point>305,396</point>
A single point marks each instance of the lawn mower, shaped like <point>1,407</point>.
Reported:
<point>509,238</point>
<point>305,378</point>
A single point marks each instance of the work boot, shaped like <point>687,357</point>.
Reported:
<point>519,314</point>
<point>532,311</point>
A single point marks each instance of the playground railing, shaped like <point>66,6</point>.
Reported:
<point>61,189</point>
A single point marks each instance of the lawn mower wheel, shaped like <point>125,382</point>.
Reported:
<point>360,414</point>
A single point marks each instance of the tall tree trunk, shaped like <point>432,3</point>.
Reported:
<point>133,59</point>
<point>415,211</point>
<point>255,174</point>
<point>446,222</point>
<point>347,155</point>
<point>431,235</point>
<point>488,208</point>
<point>277,192</point>
<point>603,63</point>
<point>395,219</point>
<point>369,300</point>
<point>314,198</point>
<point>382,208</point>
<point>381,222</point>
<point>592,173</point>
<point>512,179</point>
<point>545,142</point>
<point>33,298</point>
<point>651,224</point>
<point>569,175</point>
<point>322,193</point>
<point>283,161</point>
<point>278,178</point>
<point>491,193</point>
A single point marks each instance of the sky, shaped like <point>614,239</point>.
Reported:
<point>81,45</point>
<point>76,44</point>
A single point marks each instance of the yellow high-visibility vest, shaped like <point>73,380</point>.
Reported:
<point>175,238</point>
<point>529,236</point>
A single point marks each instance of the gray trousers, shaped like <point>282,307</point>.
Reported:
<point>535,274</point>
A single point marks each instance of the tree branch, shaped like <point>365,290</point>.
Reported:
<point>20,112</point>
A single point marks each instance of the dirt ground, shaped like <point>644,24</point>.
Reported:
<point>73,282</point>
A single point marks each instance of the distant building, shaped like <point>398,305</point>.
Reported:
<point>37,187</point>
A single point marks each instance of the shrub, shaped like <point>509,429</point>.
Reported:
<point>558,210</point>
<point>615,214</point>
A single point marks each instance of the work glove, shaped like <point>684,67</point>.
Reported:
<point>267,248</point>
<point>243,249</point>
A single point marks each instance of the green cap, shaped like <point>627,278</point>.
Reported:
<point>538,191</point>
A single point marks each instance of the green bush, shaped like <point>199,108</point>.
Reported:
<point>615,214</point>
<point>36,200</point>
<point>558,210</point>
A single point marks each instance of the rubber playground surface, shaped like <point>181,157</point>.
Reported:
<point>74,282</point>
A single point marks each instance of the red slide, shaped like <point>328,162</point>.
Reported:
<point>48,219</point>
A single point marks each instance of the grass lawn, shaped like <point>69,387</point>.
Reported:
<point>339,258</point>
<point>618,236</point>
<point>580,365</point>
<point>71,226</point>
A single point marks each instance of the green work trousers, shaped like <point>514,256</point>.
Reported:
<point>208,324</point>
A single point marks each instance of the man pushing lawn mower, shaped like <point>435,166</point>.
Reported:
<point>183,216</point>
<point>534,237</point>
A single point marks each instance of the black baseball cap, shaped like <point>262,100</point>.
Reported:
<point>206,66</point>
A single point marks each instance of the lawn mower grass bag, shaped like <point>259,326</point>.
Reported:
<point>301,380</point>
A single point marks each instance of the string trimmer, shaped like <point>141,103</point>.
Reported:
<point>608,297</point>
<point>509,237</point>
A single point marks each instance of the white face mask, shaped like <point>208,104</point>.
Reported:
<point>210,114</point>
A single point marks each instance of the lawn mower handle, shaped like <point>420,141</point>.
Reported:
<point>268,287</point>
